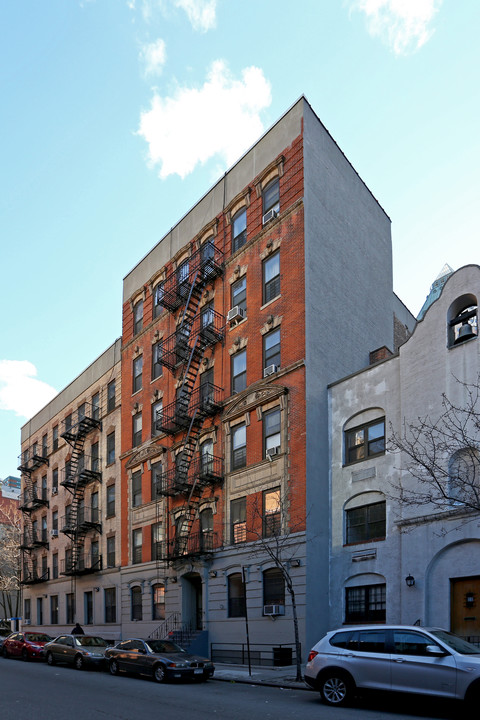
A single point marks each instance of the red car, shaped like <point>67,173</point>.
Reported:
<point>27,645</point>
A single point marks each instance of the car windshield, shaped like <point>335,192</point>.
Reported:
<point>164,646</point>
<point>86,641</point>
<point>38,637</point>
<point>456,643</point>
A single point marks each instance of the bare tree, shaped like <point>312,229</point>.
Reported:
<point>9,561</point>
<point>278,542</point>
<point>443,455</point>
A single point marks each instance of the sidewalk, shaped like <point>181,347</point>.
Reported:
<point>283,677</point>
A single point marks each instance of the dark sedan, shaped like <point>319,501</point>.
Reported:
<point>77,650</point>
<point>160,659</point>
<point>26,645</point>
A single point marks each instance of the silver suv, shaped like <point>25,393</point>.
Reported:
<point>428,661</point>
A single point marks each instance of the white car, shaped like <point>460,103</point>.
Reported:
<point>427,661</point>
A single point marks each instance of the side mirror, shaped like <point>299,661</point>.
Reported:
<point>435,650</point>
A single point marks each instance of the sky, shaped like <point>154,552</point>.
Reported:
<point>116,116</point>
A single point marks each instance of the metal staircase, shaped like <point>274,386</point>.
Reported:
<point>32,499</point>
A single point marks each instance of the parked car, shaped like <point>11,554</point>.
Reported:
<point>4,633</point>
<point>427,661</point>
<point>161,659</point>
<point>77,650</point>
<point>27,645</point>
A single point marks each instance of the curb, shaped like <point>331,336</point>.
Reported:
<point>251,681</point>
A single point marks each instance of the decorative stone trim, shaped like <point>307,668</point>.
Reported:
<point>239,343</point>
<point>146,453</point>
<point>138,295</point>
<point>271,247</point>
<point>238,273</point>
<point>272,322</point>
<point>275,169</point>
<point>210,230</point>
<point>239,201</point>
<point>251,398</point>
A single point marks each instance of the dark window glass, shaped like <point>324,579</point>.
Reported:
<point>137,546</point>
<point>44,446</point>
<point>157,350</point>
<point>409,642</point>
<point>136,488</point>
<point>157,540</point>
<point>137,429</point>
<point>55,566</point>
<point>111,395</point>
<point>156,475</point>
<point>365,441</point>
<point>271,432</point>
<point>96,406</point>
<point>39,611</point>
<point>111,448</point>
<point>157,408</point>
<point>138,317</point>
<point>88,607</point>
<point>271,196</point>
<point>271,278</point>
<point>55,437</point>
<point>81,412</point>
<point>137,613</point>
<point>94,458</point>
<point>158,295</point>
<point>366,603</point>
<point>368,641</point>
<point>55,480</point>
<point>68,422</point>
<point>273,587</point>
<point>94,507</point>
<point>70,605</point>
<point>239,294</point>
<point>158,602</point>
<point>137,373</point>
<point>236,596</point>
<point>111,551</point>
<point>239,371</point>
<point>239,446</point>
<point>271,349</point>
<point>110,605</point>
<point>367,522</point>
<point>238,520</point>
<point>239,229</point>
<point>110,500</point>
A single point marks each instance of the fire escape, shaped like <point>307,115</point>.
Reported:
<point>198,329</point>
<point>80,471</point>
<point>32,499</point>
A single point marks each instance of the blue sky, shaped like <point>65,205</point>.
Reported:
<point>117,115</point>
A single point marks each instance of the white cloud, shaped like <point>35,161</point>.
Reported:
<point>201,13</point>
<point>20,390</point>
<point>403,25</point>
<point>221,118</point>
<point>154,55</point>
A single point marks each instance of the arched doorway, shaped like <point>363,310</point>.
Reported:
<point>192,600</point>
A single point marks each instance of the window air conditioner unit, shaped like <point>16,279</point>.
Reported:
<point>27,622</point>
<point>269,215</point>
<point>269,370</point>
<point>54,533</point>
<point>272,451</point>
<point>54,491</point>
<point>274,609</point>
<point>236,313</point>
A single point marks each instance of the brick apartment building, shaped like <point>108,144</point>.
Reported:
<point>275,284</point>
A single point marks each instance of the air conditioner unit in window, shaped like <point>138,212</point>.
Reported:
<point>269,215</point>
<point>54,533</point>
<point>271,452</point>
<point>274,609</point>
<point>27,622</point>
<point>55,491</point>
<point>269,370</point>
<point>236,313</point>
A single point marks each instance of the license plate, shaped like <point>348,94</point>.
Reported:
<point>198,672</point>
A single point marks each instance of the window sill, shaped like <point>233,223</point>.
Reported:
<point>270,301</point>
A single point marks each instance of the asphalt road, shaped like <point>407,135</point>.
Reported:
<point>35,690</point>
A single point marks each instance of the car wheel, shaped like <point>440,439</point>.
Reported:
<point>113,667</point>
<point>25,655</point>
<point>4,652</point>
<point>336,688</point>
<point>159,674</point>
<point>50,659</point>
<point>78,662</point>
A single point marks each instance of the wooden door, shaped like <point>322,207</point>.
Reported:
<point>465,607</point>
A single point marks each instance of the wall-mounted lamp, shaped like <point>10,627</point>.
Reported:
<point>212,574</point>
<point>410,580</point>
<point>97,589</point>
<point>295,562</point>
<point>173,579</point>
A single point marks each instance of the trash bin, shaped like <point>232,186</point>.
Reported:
<point>282,656</point>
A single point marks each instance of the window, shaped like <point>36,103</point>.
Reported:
<point>409,642</point>
<point>110,604</point>
<point>70,608</point>
<point>111,448</point>
<point>271,350</point>
<point>137,488</point>
<point>44,529</point>
<point>158,602</point>
<point>94,507</point>
<point>238,520</point>
<point>183,273</point>
<point>157,350</point>
<point>157,479</point>
<point>55,438</point>
<point>55,566</point>
<point>366,522</point>
<point>137,429</point>
<point>271,278</point>
<point>239,229</point>
<point>239,371</point>
<point>111,551</point>
<point>365,603</point>
<point>365,441</point>
<point>271,432</point>
<point>157,408</point>
<point>111,396</point>
<point>68,422</point>
<point>136,600</point>
<point>81,412</point>
<point>54,609</point>
<point>94,458</point>
<point>207,395</point>
<point>68,559</point>
<point>271,513</point>
<point>206,458</point>
<point>55,520</point>
<point>239,294</point>
<point>96,406</point>
<point>157,540</point>
<point>236,596</point>
<point>110,500</point>
<point>158,295</point>
<point>27,609</point>
<point>138,317</point>
<point>271,198</point>
<point>137,546</point>
<point>44,488</point>
<point>55,481</point>
<point>207,318</point>
<point>95,555</point>
<point>44,446</point>
<point>206,529</point>
<point>462,320</point>
<point>39,611</point>
<point>88,607</point>
<point>463,476</point>
<point>137,374</point>
<point>273,587</point>
<point>239,446</point>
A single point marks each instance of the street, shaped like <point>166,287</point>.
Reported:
<point>36,690</point>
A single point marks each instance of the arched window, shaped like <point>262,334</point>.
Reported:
<point>273,587</point>
<point>136,603</point>
<point>364,436</point>
<point>462,320</point>
<point>158,602</point>
<point>137,317</point>
<point>463,477</point>
<point>236,596</point>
